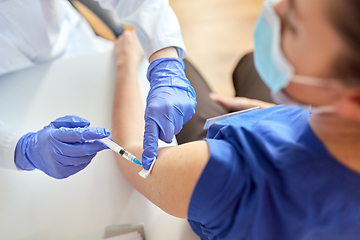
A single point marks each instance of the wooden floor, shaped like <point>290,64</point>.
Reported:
<point>217,33</point>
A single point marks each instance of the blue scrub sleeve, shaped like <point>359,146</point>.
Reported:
<point>217,195</point>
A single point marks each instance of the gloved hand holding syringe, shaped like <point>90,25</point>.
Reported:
<point>119,150</point>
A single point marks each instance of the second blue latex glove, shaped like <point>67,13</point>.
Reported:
<point>62,148</point>
<point>171,102</point>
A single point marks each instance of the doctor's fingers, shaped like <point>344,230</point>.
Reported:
<point>171,125</point>
<point>79,135</point>
<point>70,121</point>
<point>63,161</point>
<point>186,109</point>
<point>150,143</point>
<point>78,150</point>
<point>62,171</point>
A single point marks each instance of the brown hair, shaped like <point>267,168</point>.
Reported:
<point>346,19</point>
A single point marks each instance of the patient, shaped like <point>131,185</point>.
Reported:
<point>276,173</point>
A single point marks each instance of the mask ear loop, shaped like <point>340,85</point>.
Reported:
<point>283,98</point>
<point>317,82</point>
<point>322,110</point>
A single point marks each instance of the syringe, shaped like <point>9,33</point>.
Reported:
<point>119,150</point>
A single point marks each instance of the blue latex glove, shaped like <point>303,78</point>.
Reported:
<point>170,104</point>
<point>62,148</point>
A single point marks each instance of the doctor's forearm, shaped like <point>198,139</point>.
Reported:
<point>128,110</point>
<point>128,124</point>
<point>169,52</point>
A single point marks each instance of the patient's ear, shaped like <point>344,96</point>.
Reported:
<point>348,105</point>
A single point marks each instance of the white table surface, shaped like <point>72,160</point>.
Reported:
<point>35,206</point>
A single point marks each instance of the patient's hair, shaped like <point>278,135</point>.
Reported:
<point>345,15</point>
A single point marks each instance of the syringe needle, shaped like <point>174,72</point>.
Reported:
<point>119,150</point>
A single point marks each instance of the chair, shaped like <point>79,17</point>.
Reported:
<point>103,22</point>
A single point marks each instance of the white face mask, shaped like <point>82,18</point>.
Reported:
<point>271,64</point>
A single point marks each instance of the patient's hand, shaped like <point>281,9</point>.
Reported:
<point>128,51</point>
<point>239,103</point>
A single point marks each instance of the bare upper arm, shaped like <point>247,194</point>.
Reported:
<point>174,176</point>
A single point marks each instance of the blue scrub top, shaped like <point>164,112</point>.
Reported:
<point>269,177</point>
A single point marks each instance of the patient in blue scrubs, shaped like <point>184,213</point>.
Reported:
<point>283,172</point>
<point>270,177</point>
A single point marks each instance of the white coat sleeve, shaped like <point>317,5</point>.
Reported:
<point>155,22</point>
<point>9,136</point>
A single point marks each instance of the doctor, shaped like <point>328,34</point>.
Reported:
<point>33,32</point>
